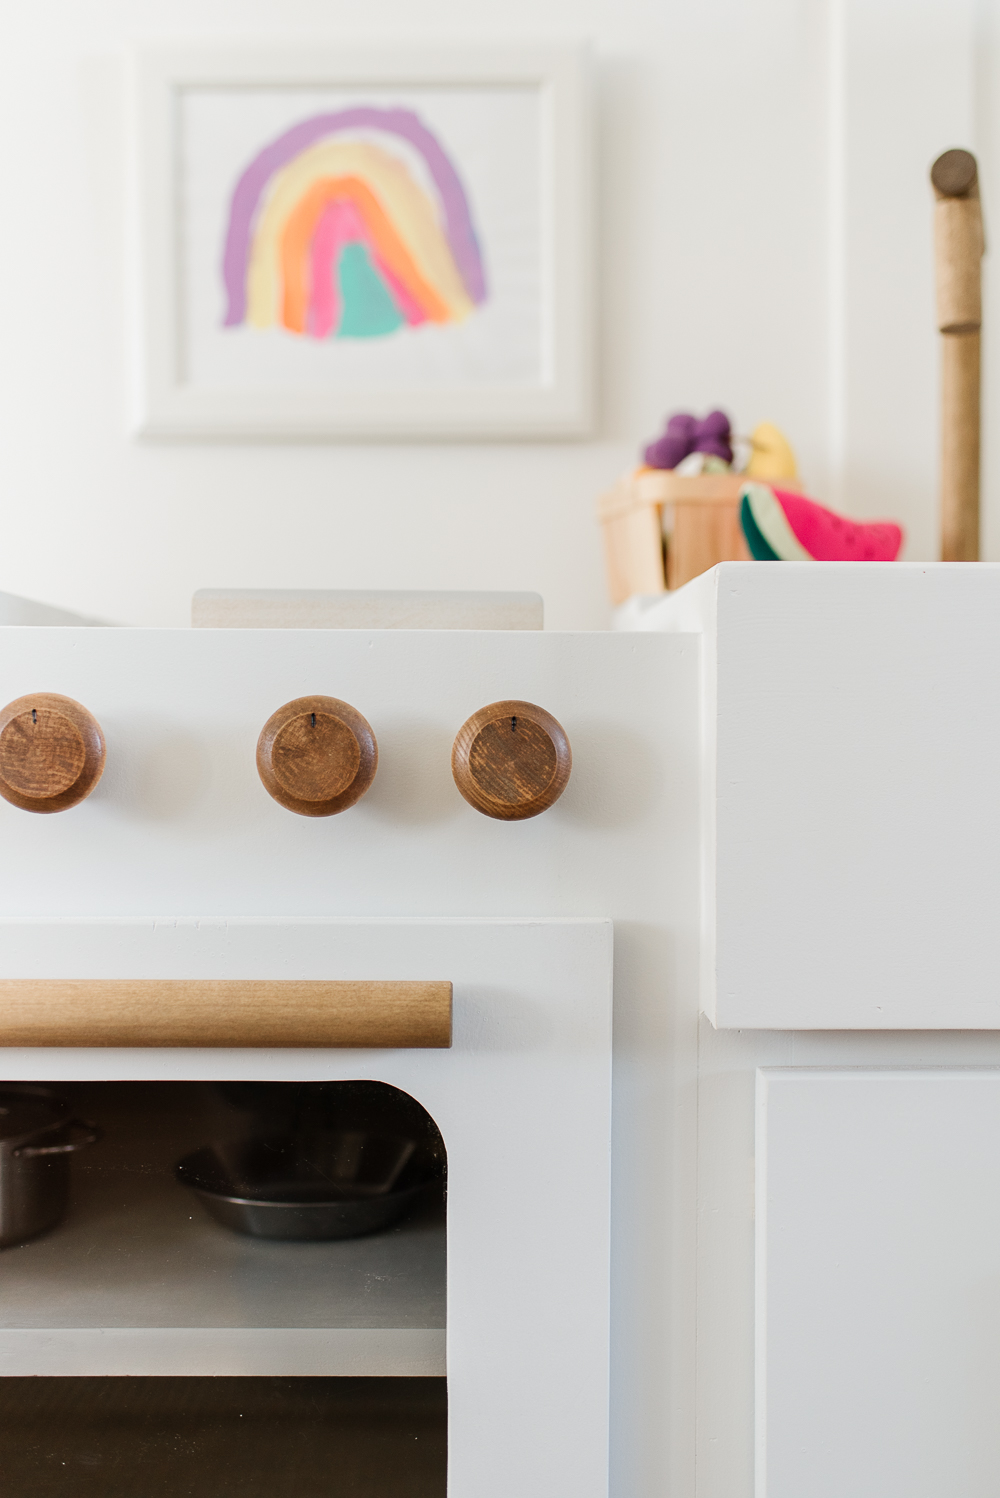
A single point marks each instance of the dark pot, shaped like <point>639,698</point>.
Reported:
<point>36,1141</point>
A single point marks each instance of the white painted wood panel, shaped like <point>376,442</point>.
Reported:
<point>878,1286</point>
<point>851,793</point>
<point>181,825</point>
<point>727,1068</point>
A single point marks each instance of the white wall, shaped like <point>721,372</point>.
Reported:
<point>764,242</point>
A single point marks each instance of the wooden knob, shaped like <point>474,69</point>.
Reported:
<point>51,752</point>
<point>317,756</point>
<point>511,760</point>
<point>954,174</point>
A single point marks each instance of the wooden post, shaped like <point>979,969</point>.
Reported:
<point>958,251</point>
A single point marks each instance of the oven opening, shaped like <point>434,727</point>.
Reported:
<point>222,1288</point>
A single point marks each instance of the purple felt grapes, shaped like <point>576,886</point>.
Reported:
<point>685,434</point>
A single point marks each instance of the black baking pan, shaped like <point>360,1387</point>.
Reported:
<point>301,1187</point>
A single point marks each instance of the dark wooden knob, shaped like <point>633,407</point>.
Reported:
<point>955,174</point>
<point>51,752</point>
<point>511,760</point>
<point>317,756</point>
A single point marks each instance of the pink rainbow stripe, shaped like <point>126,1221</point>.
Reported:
<point>339,224</point>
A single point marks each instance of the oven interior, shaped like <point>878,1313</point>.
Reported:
<point>139,1245</point>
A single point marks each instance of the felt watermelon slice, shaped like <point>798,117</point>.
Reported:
<point>757,544</point>
<point>791,527</point>
<point>772,525</point>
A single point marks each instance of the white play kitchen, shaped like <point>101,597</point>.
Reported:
<point>588,1043</point>
<point>308,958</point>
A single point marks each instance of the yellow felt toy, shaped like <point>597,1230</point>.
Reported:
<point>772,457</point>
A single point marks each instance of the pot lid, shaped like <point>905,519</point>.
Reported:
<point>24,1114</point>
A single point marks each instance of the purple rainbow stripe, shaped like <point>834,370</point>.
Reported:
<point>402,122</point>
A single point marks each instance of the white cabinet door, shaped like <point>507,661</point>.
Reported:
<point>878,1284</point>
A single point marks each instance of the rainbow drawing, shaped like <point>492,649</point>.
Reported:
<point>332,235</point>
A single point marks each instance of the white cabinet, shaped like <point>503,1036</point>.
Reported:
<point>848,1236</point>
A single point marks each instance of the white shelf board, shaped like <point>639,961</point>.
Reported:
<point>217,1351</point>
<point>137,1279</point>
<point>149,1352</point>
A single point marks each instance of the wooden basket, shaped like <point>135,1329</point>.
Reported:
<point>705,529</point>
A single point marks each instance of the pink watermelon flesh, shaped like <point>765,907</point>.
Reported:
<point>830,538</point>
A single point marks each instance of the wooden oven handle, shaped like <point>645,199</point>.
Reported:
<point>232,1012</point>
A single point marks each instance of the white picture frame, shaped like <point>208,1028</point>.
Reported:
<point>516,131</point>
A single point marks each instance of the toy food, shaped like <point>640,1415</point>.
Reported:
<point>685,434</point>
<point>784,527</point>
<point>771,455</point>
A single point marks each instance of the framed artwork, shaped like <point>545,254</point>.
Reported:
<point>363,244</point>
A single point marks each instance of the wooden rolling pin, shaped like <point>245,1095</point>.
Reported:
<point>958,252</point>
